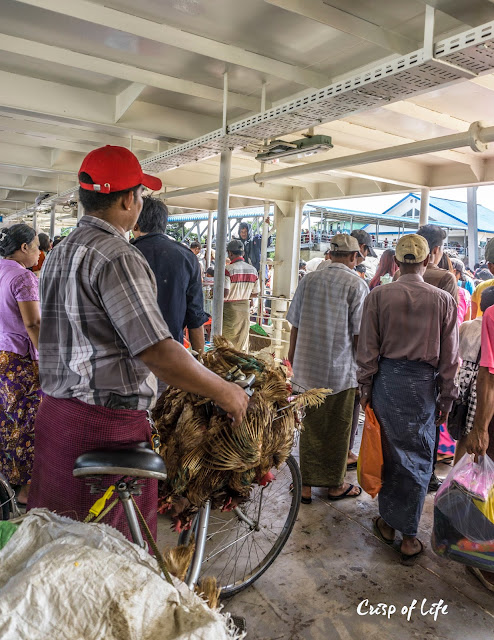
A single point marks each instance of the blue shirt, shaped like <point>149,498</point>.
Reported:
<point>178,278</point>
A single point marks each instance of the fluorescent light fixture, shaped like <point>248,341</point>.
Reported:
<point>302,148</point>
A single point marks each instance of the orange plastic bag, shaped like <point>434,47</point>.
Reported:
<point>370,458</point>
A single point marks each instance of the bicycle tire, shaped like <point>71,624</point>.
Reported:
<point>287,483</point>
<point>4,502</point>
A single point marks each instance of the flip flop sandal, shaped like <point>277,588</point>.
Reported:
<point>409,560</point>
<point>305,500</point>
<point>478,574</point>
<point>346,494</point>
<point>378,531</point>
<point>351,465</point>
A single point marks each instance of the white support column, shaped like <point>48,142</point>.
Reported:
<point>424,207</point>
<point>209,245</point>
<point>473,227</point>
<point>35,220</point>
<point>287,256</point>
<point>80,211</point>
<point>52,221</point>
<point>220,260</point>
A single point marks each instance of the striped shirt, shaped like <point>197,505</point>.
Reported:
<point>241,280</point>
<point>327,311</point>
<point>99,310</point>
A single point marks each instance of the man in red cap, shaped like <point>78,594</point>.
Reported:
<point>103,340</point>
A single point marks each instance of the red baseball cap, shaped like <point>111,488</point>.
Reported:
<point>115,169</point>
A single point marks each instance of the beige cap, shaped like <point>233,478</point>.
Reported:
<point>342,242</point>
<point>412,245</point>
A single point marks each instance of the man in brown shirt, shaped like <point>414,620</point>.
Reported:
<point>408,347</point>
<point>439,278</point>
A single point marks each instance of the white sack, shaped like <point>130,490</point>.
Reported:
<point>64,580</point>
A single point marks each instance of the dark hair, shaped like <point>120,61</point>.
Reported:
<point>195,245</point>
<point>44,242</point>
<point>57,240</point>
<point>210,272</point>
<point>487,299</point>
<point>434,235</point>
<point>386,265</point>
<point>154,216</point>
<point>12,238</point>
<point>342,254</point>
<point>235,247</point>
<point>93,201</point>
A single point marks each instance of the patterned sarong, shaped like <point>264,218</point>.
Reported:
<point>404,401</point>
<point>64,430</point>
<point>20,396</point>
<point>236,323</point>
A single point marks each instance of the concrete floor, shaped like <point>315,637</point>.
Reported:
<point>333,561</point>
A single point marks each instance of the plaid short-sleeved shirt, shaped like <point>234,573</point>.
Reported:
<point>99,310</point>
<point>327,311</point>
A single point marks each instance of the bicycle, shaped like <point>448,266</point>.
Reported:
<point>215,534</point>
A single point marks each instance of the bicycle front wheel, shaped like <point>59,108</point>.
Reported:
<point>242,544</point>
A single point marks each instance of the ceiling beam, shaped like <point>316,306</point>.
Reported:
<point>412,110</point>
<point>73,133</point>
<point>112,19</point>
<point>126,98</point>
<point>85,106</point>
<point>348,23</point>
<point>472,13</point>
<point>133,74</point>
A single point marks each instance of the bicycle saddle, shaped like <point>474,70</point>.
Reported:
<point>139,462</point>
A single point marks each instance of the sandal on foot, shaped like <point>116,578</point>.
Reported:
<point>351,465</point>
<point>409,560</point>
<point>305,500</point>
<point>378,531</point>
<point>346,494</point>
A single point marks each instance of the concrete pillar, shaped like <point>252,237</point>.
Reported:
<point>35,220</point>
<point>80,211</point>
<point>424,206</point>
<point>288,229</point>
<point>52,221</point>
<point>473,227</point>
<point>222,228</point>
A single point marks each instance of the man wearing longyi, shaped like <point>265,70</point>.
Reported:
<point>102,341</point>
<point>399,377</point>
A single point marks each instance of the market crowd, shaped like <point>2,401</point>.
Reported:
<point>108,336</point>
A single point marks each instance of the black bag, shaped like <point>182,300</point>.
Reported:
<point>457,418</point>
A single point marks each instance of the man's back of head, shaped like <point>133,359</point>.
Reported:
<point>435,237</point>
<point>153,217</point>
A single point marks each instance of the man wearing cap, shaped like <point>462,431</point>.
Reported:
<point>325,316</point>
<point>102,342</point>
<point>477,294</point>
<point>241,284</point>
<point>408,348</point>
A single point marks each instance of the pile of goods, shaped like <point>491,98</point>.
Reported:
<point>209,457</point>
<point>464,514</point>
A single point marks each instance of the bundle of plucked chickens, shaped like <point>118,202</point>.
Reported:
<point>209,457</point>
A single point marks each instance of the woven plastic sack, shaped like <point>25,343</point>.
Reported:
<point>370,459</point>
<point>464,514</point>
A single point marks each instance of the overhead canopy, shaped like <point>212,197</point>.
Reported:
<point>150,76</point>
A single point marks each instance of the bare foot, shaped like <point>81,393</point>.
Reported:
<point>306,491</point>
<point>351,458</point>
<point>23,494</point>
<point>410,546</point>
<point>387,532</point>
<point>338,491</point>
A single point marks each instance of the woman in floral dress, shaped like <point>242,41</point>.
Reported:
<point>20,393</point>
